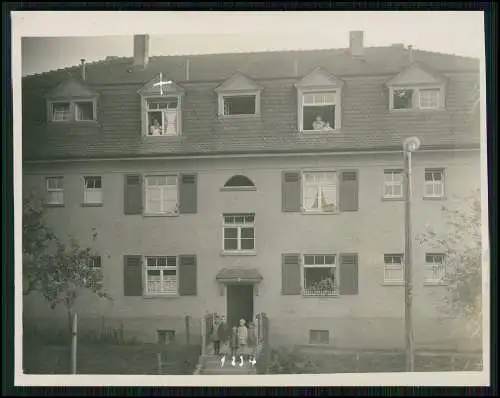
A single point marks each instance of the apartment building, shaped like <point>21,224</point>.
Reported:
<point>255,182</point>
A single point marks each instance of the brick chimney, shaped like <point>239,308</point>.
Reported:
<point>356,43</point>
<point>141,50</point>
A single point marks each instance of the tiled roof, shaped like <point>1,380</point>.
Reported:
<point>259,65</point>
<point>239,274</point>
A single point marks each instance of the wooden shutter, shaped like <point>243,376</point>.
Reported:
<point>348,190</point>
<point>133,194</point>
<point>132,276</point>
<point>188,193</point>
<point>188,279</point>
<point>290,274</point>
<point>291,191</point>
<point>348,274</point>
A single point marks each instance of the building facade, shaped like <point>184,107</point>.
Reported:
<point>260,182</point>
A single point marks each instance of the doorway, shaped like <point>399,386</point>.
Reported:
<point>239,303</point>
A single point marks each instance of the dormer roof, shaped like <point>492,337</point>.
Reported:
<point>319,78</point>
<point>71,88</point>
<point>416,74</point>
<point>152,88</point>
<point>238,82</point>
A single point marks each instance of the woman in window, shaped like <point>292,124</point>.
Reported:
<point>155,128</point>
<point>318,124</point>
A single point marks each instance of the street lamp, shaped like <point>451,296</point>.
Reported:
<point>410,145</point>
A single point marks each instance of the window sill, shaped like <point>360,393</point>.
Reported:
<point>75,122</point>
<point>97,204</point>
<point>160,214</point>
<point>153,296</point>
<point>434,197</point>
<point>415,110</point>
<point>431,283</point>
<point>319,344</point>
<point>321,296</point>
<point>225,253</point>
<point>392,199</point>
<point>54,204</point>
<point>168,136</point>
<point>238,189</point>
<point>319,131</point>
<point>320,213</point>
<point>249,116</point>
<point>393,283</point>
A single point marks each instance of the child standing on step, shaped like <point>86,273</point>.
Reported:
<point>252,338</point>
<point>234,341</point>
<point>242,335</point>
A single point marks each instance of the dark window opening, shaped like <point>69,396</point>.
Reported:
<point>239,181</point>
<point>239,105</point>
<point>403,99</point>
<point>319,336</point>
<point>166,336</point>
<point>319,117</point>
<point>85,111</point>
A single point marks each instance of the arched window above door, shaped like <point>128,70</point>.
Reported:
<point>239,182</point>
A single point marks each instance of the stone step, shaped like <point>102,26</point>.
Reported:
<point>228,371</point>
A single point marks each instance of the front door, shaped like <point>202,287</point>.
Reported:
<point>239,304</point>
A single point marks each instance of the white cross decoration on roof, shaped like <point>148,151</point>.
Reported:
<point>162,83</point>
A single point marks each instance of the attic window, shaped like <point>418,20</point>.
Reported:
<point>61,111</point>
<point>238,96</point>
<point>416,98</point>
<point>84,111</point>
<point>239,105</point>
<point>239,182</point>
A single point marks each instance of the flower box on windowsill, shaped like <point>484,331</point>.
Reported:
<point>319,293</point>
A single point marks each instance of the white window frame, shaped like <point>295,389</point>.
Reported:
<point>394,266</point>
<point>239,227</point>
<point>416,97</point>
<point>51,190</point>
<point>147,191</point>
<point>301,95</point>
<point>148,286</point>
<point>89,192</point>
<point>73,109</point>
<point>434,183</point>
<point>146,114</point>
<point>438,269</point>
<point>334,266</point>
<point>393,183</point>
<point>246,93</point>
<point>92,262</point>
<point>320,190</point>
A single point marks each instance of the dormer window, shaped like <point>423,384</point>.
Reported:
<point>238,96</point>
<point>416,88</point>
<point>319,102</point>
<point>161,108</point>
<point>72,101</point>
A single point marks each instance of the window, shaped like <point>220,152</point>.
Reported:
<point>416,98</point>
<point>163,116</point>
<point>239,181</point>
<point>55,190</point>
<point>429,98</point>
<point>393,268</point>
<point>318,111</point>
<point>166,336</point>
<point>239,105</point>
<point>161,275</point>
<point>95,262</point>
<point>239,232</point>
<point>393,183</point>
<point>320,192</point>
<point>92,189</point>
<point>435,269</point>
<point>84,111</point>
<point>434,183</point>
<point>161,194</point>
<point>320,275</point>
<point>61,112</point>
<point>319,337</point>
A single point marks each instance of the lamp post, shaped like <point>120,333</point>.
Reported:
<point>410,145</point>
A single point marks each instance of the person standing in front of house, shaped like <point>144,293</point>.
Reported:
<point>234,341</point>
<point>215,335</point>
<point>223,332</point>
<point>242,335</point>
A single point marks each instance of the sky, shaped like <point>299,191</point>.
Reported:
<point>57,40</point>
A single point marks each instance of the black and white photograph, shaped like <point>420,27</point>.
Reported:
<point>250,198</point>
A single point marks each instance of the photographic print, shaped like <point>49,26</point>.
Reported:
<point>298,199</point>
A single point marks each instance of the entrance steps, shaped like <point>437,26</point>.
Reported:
<point>212,365</point>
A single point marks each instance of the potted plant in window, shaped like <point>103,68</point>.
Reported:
<point>324,287</point>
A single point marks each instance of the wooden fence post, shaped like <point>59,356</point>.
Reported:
<point>74,337</point>
<point>188,337</point>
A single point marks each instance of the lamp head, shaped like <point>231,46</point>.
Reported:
<point>411,144</point>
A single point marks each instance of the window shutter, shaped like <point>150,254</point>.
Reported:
<point>188,193</point>
<point>188,279</point>
<point>291,191</point>
<point>132,277</point>
<point>348,274</point>
<point>133,194</point>
<point>290,274</point>
<point>348,190</point>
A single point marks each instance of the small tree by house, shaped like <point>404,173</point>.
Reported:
<point>460,241</point>
<point>59,271</point>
